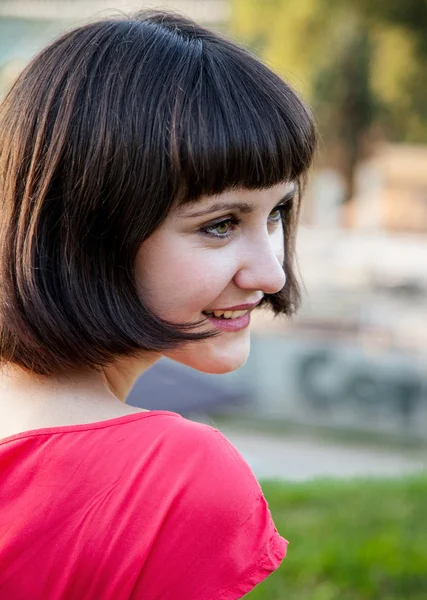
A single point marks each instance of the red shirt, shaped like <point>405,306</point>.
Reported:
<point>147,506</point>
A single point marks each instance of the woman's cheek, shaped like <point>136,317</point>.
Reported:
<point>279,245</point>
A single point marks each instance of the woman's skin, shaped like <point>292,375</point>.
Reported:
<point>190,264</point>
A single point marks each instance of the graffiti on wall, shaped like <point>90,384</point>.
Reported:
<point>325,383</point>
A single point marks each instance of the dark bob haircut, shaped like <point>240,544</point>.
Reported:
<point>104,132</point>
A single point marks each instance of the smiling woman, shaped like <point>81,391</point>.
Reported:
<point>219,261</point>
<point>151,178</point>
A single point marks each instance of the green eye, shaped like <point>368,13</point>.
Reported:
<point>276,214</point>
<point>222,228</point>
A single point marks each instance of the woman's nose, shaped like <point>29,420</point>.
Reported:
<point>262,267</point>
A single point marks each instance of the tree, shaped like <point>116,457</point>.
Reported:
<point>399,74</point>
<point>410,15</point>
<point>344,101</point>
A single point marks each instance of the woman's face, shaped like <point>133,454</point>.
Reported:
<point>217,254</point>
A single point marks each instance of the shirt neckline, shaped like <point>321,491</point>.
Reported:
<point>87,426</point>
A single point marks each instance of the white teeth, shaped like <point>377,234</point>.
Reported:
<point>229,314</point>
<point>218,313</point>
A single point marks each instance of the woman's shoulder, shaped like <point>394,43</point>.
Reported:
<point>214,511</point>
<point>198,449</point>
<point>156,454</point>
<point>192,460</point>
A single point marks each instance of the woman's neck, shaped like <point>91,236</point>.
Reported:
<point>30,402</point>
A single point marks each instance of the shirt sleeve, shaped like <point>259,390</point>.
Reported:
<point>219,540</point>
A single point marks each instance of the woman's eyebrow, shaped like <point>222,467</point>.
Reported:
<point>244,207</point>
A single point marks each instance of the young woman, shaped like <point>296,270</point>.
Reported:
<point>151,174</point>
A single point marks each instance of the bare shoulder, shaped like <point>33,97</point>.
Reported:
<point>19,418</point>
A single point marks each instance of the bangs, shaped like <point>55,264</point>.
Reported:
<point>237,125</point>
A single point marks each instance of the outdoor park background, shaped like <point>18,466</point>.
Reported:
<point>340,391</point>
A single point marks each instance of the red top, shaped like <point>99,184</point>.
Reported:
<point>147,506</point>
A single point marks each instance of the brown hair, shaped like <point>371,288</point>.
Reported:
<point>101,134</point>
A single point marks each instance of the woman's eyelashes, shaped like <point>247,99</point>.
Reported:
<point>225,228</point>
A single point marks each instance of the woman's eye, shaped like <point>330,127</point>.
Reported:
<point>221,230</point>
<point>276,214</point>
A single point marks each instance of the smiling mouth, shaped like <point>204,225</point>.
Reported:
<point>227,314</point>
<point>229,320</point>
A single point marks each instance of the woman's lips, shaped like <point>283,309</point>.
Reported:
<point>230,324</point>
<point>248,306</point>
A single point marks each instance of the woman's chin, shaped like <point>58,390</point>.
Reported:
<point>219,367</point>
<point>212,356</point>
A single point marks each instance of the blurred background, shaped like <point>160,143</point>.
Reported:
<point>341,390</point>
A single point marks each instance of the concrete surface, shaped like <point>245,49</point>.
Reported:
<point>299,458</point>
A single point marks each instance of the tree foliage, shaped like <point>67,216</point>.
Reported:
<point>410,15</point>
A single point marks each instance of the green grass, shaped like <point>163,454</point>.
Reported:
<point>355,540</point>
